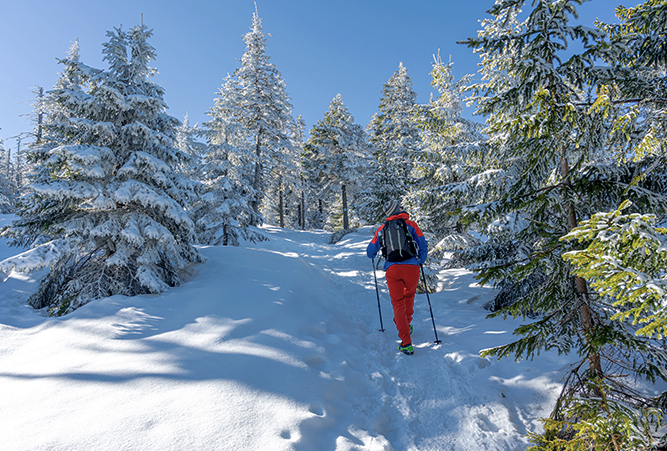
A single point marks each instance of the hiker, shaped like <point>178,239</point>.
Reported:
<point>403,253</point>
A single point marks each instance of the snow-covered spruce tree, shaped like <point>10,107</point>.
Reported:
<point>286,180</point>
<point>105,209</point>
<point>557,171</point>
<point>633,93</point>
<point>337,153</point>
<point>6,187</point>
<point>296,198</point>
<point>624,259</point>
<point>37,117</point>
<point>452,161</point>
<point>264,109</point>
<point>314,209</point>
<point>14,168</point>
<point>223,213</point>
<point>395,138</point>
<point>188,143</point>
<point>221,200</point>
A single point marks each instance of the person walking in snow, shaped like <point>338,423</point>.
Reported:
<point>404,248</point>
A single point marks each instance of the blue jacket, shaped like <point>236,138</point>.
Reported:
<point>417,235</point>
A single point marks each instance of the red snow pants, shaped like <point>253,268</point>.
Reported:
<point>402,281</point>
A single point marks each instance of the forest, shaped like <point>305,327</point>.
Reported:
<point>556,196</point>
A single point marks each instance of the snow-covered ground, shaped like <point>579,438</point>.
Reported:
<point>270,346</point>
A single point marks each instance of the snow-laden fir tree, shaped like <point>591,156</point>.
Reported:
<point>297,198</point>
<point>215,221</point>
<point>633,94</point>
<point>453,159</point>
<point>336,160</point>
<point>288,182</point>
<point>625,254</point>
<point>557,170</point>
<point>188,143</point>
<point>314,209</point>
<point>224,213</point>
<point>263,108</point>
<point>395,138</point>
<point>105,209</point>
<point>284,180</point>
<point>6,187</point>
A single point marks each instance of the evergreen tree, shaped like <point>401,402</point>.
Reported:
<point>188,144</point>
<point>453,158</point>
<point>287,182</point>
<point>105,209</point>
<point>395,138</point>
<point>311,174</point>
<point>6,187</point>
<point>38,115</point>
<point>633,96</point>
<point>335,157</point>
<point>624,256</point>
<point>224,212</point>
<point>284,179</point>
<point>297,198</point>
<point>264,110</point>
<point>557,170</point>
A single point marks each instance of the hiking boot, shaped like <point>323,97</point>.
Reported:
<point>407,349</point>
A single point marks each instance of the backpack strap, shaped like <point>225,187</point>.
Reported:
<point>412,244</point>
<point>383,244</point>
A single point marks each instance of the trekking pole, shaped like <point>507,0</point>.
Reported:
<point>377,292</point>
<point>429,305</point>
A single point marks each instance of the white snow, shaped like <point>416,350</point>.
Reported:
<point>268,346</point>
<point>38,257</point>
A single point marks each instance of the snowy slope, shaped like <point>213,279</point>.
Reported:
<point>273,346</point>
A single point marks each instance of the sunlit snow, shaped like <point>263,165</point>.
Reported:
<point>269,346</point>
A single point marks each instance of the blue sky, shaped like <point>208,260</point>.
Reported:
<point>322,48</point>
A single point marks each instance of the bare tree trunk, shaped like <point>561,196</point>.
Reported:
<point>281,205</point>
<point>40,115</point>
<point>17,165</point>
<point>303,211</point>
<point>321,210</point>
<point>585,314</point>
<point>346,221</point>
<point>257,181</point>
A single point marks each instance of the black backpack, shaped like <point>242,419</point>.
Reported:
<point>397,244</point>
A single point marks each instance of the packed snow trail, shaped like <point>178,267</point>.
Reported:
<point>271,346</point>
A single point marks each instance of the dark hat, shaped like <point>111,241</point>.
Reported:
<point>391,208</point>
